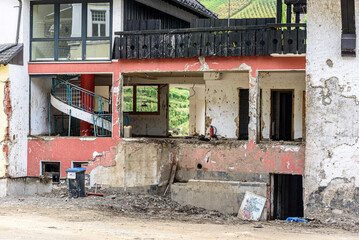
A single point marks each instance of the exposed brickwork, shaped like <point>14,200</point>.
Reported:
<point>8,112</point>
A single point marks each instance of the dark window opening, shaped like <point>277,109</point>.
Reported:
<point>348,28</point>
<point>51,169</point>
<point>243,114</point>
<point>78,164</point>
<point>281,115</point>
<point>287,196</point>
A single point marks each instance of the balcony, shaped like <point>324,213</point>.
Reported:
<point>244,37</point>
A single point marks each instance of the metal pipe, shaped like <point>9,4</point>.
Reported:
<point>229,12</point>
<point>18,22</point>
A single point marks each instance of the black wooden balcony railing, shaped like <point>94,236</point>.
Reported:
<point>248,40</point>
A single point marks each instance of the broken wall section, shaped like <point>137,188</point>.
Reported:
<point>288,80</point>
<point>4,121</point>
<point>222,102</point>
<point>332,161</point>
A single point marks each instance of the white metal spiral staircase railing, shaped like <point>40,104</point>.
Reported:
<point>82,104</point>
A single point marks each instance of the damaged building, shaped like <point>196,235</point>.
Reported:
<point>96,86</point>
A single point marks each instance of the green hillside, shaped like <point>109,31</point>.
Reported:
<point>242,8</point>
<point>147,102</point>
<point>179,111</point>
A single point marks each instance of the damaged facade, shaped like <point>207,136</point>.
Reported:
<point>246,82</point>
<point>332,106</point>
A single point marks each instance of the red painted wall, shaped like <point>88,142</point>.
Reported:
<point>74,149</point>
<point>250,157</point>
<point>64,150</point>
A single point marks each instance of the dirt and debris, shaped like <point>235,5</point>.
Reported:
<point>153,207</point>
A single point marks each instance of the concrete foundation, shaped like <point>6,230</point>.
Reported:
<point>24,186</point>
<point>223,196</point>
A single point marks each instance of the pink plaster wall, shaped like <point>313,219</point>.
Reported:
<point>64,150</point>
<point>248,157</point>
<point>67,150</point>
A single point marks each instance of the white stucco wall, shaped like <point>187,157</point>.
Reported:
<point>197,110</point>
<point>8,19</point>
<point>19,92</point>
<point>40,90</point>
<point>117,24</point>
<point>332,159</point>
<point>222,102</point>
<point>282,80</point>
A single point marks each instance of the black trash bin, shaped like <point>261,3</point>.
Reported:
<point>76,178</point>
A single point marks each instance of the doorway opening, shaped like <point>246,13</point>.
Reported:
<point>286,196</point>
<point>179,101</point>
<point>282,115</point>
<point>243,114</point>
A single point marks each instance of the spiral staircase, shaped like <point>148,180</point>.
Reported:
<point>82,104</point>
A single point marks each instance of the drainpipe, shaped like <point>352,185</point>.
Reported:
<point>229,12</point>
<point>18,22</point>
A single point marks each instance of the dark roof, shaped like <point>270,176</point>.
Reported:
<point>197,7</point>
<point>8,51</point>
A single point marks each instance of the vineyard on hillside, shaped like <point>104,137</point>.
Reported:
<point>242,8</point>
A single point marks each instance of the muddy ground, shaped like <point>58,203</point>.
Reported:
<point>136,216</point>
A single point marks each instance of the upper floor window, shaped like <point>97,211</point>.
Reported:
<point>71,31</point>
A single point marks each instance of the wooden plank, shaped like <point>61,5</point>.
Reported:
<point>144,47</point>
<point>194,23</point>
<point>302,41</point>
<point>169,46</point>
<point>133,25</point>
<point>221,38</point>
<point>132,47</point>
<point>261,43</point>
<point>234,40</point>
<point>156,46</point>
<point>181,45</point>
<point>144,42</point>
<point>290,41</point>
<point>153,24</point>
<point>274,41</point>
<point>194,44</point>
<point>207,40</point>
<point>118,48</point>
<point>156,40</point>
<point>249,39</point>
<point>132,41</point>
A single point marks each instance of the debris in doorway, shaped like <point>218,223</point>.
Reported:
<point>171,177</point>
<point>95,194</point>
<point>295,219</point>
<point>202,138</point>
<point>258,226</point>
<point>252,207</point>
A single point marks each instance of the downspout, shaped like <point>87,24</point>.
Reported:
<point>18,22</point>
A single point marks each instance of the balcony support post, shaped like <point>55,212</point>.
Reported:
<point>87,101</point>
